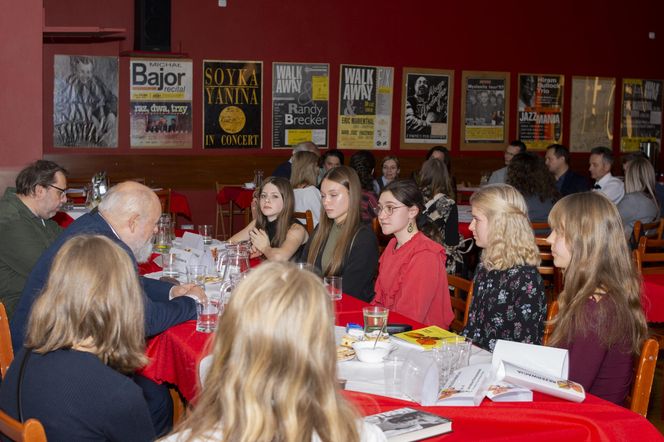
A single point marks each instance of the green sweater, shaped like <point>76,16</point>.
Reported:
<point>23,238</point>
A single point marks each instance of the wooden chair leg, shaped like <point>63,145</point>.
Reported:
<point>178,405</point>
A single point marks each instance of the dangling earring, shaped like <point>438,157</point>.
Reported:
<point>410,228</point>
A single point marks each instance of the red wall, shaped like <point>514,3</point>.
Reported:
<point>563,37</point>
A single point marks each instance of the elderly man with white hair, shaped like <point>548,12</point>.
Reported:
<point>284,169</point>
<point>128,215</point>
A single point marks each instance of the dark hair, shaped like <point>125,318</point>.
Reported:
<point>633,155</point>
<point>434,179</point>
<point>520,144</point>
<point>560,151</point>
<point>285,217</point>
<point>40,173</point>
<point>364,163</point>
<point>605,152</point>
<point>529,175</point>
<point>446,155</point>
<point>333,153</point>
<point>407,192</point>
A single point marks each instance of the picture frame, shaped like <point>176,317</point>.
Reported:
<point>484,110</point>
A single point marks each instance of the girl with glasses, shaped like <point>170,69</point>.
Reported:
<point>274,233</point>
<point>411,277</point>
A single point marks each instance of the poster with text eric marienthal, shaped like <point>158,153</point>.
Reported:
<point>365,107</point>
<point>232,104</point>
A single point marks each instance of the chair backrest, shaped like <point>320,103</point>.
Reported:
<point>551,312</point>
<point>552,276</point>
<point>652,230</point>
<point>644,373</point>
<point>308,217</point>
<point>6,349</point>
<point>30,431</point>
<point>461,295</point>
<point>648,263</point>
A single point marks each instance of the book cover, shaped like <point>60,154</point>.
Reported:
<point>408,424</point>
<point>465,387</point>
<point>507,392</point>
<point>544,383</point>
<point>425,338</point>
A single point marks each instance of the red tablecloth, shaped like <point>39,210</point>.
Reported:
<point>239,195</point>
<point>465,230</point>
<point>653,297</point>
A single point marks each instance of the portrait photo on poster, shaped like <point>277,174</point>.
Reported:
<point>426,106</point>
<point>85,101</point>
<point>484,110</point>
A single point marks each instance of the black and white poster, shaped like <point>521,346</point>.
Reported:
<point>641,119</point>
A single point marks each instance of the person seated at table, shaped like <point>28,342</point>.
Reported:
<point>273,374</point>
<point>363,162</point>
<point>508,292</point>
<point>443,154</point>
<point>81,341</point>
<point>331,159</point>
<point>600,318</point>
<point>128,215</point>
<point>640,201</point>
<point>514,148</point>
<point>284,169</point>
<point>441,209</point>
<point>390,167</point>
<point>411,278</point>
<point>303,179</point>
<point>26,227</point>
<point>342,245</point>
<point>530,176</point>
<point>274,233</point>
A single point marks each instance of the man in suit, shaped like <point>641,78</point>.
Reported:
<point>128,215</point>
<point>567,182</point>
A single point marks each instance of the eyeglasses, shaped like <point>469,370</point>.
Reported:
<point>388,209</point>
<point>62,191</point>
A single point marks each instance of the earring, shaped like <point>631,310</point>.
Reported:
<point>410,228</point>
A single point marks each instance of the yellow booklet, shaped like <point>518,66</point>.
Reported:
<point>425,338</point>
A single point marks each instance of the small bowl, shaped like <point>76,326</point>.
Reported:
<point>367,353</point>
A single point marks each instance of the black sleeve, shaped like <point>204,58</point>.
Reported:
<point>360,266</point>
<point>452,227</point>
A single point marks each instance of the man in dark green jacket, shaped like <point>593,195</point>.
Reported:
<point>26,228</point>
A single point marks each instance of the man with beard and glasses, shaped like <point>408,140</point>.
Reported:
<point>128,215</point>
<point>422,108</point>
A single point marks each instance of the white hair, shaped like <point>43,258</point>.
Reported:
<point>126,199</point>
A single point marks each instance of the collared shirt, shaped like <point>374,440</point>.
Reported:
<point>23,238</point>
<point>612,187</point>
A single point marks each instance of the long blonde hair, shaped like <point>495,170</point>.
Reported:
<point>305,169</point>
<point>640,177</point>
<point>511,241</point>
<point>274,372</point>
<point>600,260</point>
<point>348,178</point>
<point>92,296</point>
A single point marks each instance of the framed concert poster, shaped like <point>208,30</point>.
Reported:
<point>484,110</point>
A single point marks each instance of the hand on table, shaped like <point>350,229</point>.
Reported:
<point>259,239</point>
<point>191,290</point>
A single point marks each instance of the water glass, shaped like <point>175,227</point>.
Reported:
<point>207,315</point>
<point>170,264</point>
<point>196,275</point>
<point>375,319</point>
<point>392,373</point>
<point>333,286</point>
<point>205,230</point>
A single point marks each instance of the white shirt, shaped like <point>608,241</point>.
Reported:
<point>308,198</point>
<point>612,187</point>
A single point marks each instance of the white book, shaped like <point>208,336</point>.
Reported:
<point>502,391</point>
<point>466,386</point>
<point>408,424</point>
<point>544,383</point>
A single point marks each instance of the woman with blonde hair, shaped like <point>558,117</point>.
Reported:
<point>274,233</point>
<point>600,319</point>
<point>342,245</point>
<point>85,331</point>
<point>508,293</point>
<point>639,202</point>
<point>303,179</point>
<point>273,375</point>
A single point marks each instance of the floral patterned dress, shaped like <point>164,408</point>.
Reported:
<point>507,304</point>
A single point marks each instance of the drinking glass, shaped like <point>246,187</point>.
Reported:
<point>205,230</point>
<point>333,286</point>
<point>196,275</point>
<point>375,318</point>
<point>207,315</point>
<point>170,264</point>
<point>392,372</point>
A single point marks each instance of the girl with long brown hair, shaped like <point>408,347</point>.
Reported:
<point>600,318</point>
<point>274,233</point>
<point>342,245</point>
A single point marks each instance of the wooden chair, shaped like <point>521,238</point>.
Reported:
<point>652,230</point>
<point>646,245</point>
<point>552,276</point>
<point>230,211</point>
<point>644,373</point>
<point>179,405</point>
<point>30,431</point>
<point>648,263</point>
<point>541,229</point>
<point>6,349</point>
<point>551,312</point>
<point>308,217</point>
<point>460,303</point>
